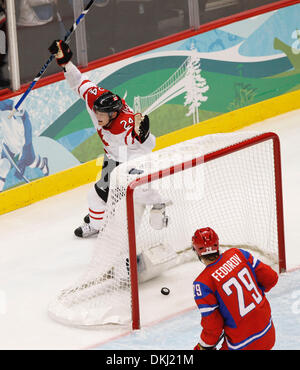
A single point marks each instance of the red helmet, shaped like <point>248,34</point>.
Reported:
<point>205,241</point>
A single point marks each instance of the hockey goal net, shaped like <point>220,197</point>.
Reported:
<point>230,182</point>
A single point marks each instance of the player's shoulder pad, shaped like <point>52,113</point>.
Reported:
<point>253,261</point>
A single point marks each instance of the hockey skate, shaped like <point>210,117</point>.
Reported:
<point>85,230</point>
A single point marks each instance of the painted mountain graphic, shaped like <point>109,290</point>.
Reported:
<point>211,41</point>
<point>281,25</point>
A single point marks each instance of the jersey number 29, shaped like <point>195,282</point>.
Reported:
<point>247,283</point>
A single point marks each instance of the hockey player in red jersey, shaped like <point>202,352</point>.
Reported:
<point>230,294</point>
<point>124,135</point>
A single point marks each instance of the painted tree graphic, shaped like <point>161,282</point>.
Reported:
<point>196,86</point>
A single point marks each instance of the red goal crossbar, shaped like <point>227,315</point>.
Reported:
<point>182,167</point>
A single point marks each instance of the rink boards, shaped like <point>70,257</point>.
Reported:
<point>62,181</point>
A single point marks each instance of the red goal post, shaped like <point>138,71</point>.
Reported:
<point>187,165</point>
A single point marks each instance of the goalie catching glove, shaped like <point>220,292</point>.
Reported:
<point>61,51</point>
<point>141,130</point>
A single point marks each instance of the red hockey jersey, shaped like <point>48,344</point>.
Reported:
<point>230,294</point>
<point>117,139</point>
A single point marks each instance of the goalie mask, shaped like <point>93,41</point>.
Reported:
<point>205,241</point>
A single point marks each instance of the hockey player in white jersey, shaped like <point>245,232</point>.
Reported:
<point>16,135</point>
<point>124,135</point>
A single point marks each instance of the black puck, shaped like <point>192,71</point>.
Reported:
<point>165,291</point>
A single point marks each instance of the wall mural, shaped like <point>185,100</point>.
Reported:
<point>177,85</point>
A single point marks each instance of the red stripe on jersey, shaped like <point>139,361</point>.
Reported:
<point>126,137</point>
<point>84,82</point>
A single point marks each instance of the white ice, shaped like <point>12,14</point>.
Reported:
<point>40,255</point>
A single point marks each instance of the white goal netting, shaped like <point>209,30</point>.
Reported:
<point>234,193</point>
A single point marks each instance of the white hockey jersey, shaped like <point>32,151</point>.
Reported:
<point>117,140</point>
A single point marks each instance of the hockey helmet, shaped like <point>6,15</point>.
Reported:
<point>108,103</point>
<point>205,241</point>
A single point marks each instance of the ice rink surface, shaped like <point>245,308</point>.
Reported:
<point>40,256</point>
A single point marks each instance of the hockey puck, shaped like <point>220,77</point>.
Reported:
<point>165,291</point>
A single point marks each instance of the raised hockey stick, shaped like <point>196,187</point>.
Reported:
<point>62,28</point>
<point>45,66</point>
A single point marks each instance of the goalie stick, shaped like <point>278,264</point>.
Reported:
<point>45,66</point>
